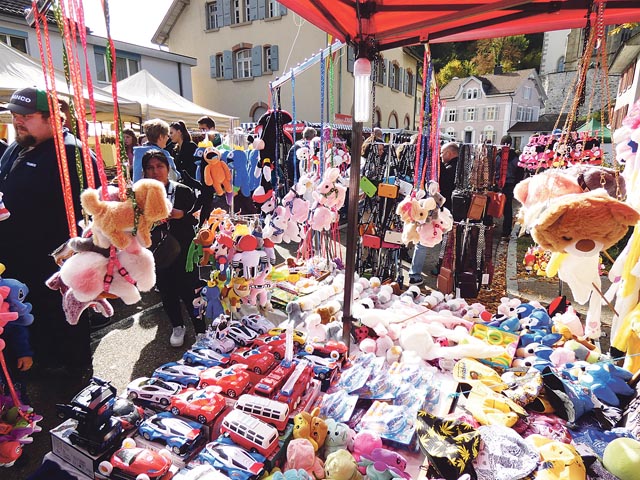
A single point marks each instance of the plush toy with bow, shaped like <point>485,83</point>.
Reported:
<point>330,192</point>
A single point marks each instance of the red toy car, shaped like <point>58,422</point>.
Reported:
<point>256,360</point>
<point>335,350</point>
<point>203,405</point>
<point>136,463</point>
<point>233,380</point>
<point>274,344</point>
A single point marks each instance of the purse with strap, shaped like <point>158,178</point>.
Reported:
<point>445,281</point>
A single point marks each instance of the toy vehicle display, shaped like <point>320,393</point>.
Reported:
<point>152,390</point>
<point>185,375</point>
<point>250,433</point>
<point>205,356</point>
<point>323,367</point>
<point>267,410</point>
<point>127,413</point>
<point>274,344</point>
<point>240,334</point>
<point>136,463</point>
<point>269,385</point>
<point>203,405</point>
<point>220,345</point>
<point>258,323</point>
<point>295,386</point>
<point>178,434</point>
<point>257,361</point>
<point>232,460</point>
<point>232,380</point>
<point>299,336</point>
<point>330,348</point>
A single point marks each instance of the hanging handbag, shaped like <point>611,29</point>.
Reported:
<point>445,281</point>
<point>467,285</point>
<point>460,202</point>
<point>496,203</point>
<point>477,206</point>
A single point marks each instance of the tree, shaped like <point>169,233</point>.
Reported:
<point>455,68</point>
<point>505,51</point>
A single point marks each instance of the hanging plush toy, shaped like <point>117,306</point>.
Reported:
<point>217,173</point>
<point>4,213</point>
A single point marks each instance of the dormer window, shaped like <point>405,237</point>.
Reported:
<point>471,94</point>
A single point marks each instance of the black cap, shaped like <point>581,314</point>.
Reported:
<point>27,101</point>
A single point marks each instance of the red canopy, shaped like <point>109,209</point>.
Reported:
<point>395,23</point>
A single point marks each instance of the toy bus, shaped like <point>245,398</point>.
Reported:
<point>250,433</point>
<point>267,410</point>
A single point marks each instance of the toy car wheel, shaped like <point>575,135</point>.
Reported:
<point>192,385</point>
<point>105,468</point>
<point>164,402</point>
<point>257,370</point>
<point>309,349</point>
<point>202,419</point>
<point>232,362</point>
<point>142,476</point>
<point>188,361</point>
<point>335,355</point>
<point>132,395</point>
<point>128,443</point>
<point>165,453</point>
<point>175,449</point>
<point>322,376</point>
<point>146,436</point>
<point>175,411</point>
<point>219,350</point>
<point>277,356</point>
<point>231,393</point>
<point>204,384</point>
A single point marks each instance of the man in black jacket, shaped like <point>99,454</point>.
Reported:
<point>32,192</point>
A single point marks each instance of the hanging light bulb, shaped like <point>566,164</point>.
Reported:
<point>361,91</point>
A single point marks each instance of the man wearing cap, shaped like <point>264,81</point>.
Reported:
<point>37,225</point>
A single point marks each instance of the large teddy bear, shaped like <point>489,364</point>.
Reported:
<point>115,222</point>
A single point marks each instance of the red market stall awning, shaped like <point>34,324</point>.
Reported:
<point>394,23</point>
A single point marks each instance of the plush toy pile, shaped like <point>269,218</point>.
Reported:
<point>557,151</point>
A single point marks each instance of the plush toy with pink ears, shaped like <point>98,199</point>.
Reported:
<point>330,192</point>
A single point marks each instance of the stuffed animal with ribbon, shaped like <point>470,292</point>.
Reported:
<point>275,225</point>
<point>330,192</point>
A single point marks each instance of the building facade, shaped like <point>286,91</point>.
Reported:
<point>243,45</point>
<point>626,64</point>
<point>483,108</point>
<point>173,69</point>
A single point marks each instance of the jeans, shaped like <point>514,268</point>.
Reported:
<point>417,262</point>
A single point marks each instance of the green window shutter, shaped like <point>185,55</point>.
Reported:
<point>256,61</point>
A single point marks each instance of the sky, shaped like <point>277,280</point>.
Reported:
<point>132,21</point>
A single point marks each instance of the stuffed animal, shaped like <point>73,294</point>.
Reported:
<point>301,455</point>
<point>73,307</point>
<point>340,465</point>
<point>382,463</point>
<point>216,172</point>
<point>605,380</point>
<point>331,193</point>
<point>364,443</point>
<point>339,436</point>
<point>115,223</point>
<point>430,233</point>
<point>621,458</point>
<point>275,224</point>
<point>322,218</point>
<point>297,206</point>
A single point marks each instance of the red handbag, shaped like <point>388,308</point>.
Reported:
<point>495,207</point>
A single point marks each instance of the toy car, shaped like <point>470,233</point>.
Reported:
<point>221,345</point>
<point>330,348</point>
<point>136,463</point>
<point>127,413</point>
<point>178,434</point>
<point>257,361</point>
<point>258,323</point>
<point>203,405</point>
<point>299,336</point>
<point>323,367</point>
<point>205,356</point>
<point>232,380</point>
<point>274,344</point>
<point>240,334</point>
<point>92,406</point>
<point>186,375</point>
<point>296,385</point>
<point>152,390</point>
<point>232,460</point>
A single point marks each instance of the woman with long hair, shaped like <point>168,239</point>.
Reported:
<point>184,149</point>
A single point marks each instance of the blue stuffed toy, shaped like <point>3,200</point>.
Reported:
<point>19,292</point>
<point>605,380</point>
<point>536,327</point>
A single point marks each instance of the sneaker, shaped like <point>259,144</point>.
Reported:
<point>177,336</point>
<point>415,281</point>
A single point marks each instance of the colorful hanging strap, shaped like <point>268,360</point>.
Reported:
<point>419,158</point>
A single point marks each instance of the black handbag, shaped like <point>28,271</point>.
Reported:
<point>460,203</point>
<point>467,284</point>
<point>165,247</point>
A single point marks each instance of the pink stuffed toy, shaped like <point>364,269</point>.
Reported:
<point>301,455</point>
<point>331,193</point>
<point>322,218</point>
<point>275,225</point>
<point>298,207</point>
<point>431,233</point>
<point>364,443</point>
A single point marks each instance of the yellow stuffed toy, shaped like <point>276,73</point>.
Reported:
<point>217,173</point>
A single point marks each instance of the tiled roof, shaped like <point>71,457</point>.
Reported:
<point>544,124</point>
<point>492,84</point>
<point>16,8</point>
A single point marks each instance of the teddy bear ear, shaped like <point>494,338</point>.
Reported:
<point>623,213</point>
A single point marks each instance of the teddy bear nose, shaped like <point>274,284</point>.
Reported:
<point>585,245</point>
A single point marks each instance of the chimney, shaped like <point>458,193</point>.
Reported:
<point>497,70</point>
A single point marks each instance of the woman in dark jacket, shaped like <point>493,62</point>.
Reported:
<point>184,149</point>
<point>172,279</point>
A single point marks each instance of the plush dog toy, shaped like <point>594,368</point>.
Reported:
<point>115,222</point>
<point>217,173</point>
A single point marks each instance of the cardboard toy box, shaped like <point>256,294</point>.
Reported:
<point>74,455</point>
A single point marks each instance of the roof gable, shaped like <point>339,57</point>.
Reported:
<point>492,84</point>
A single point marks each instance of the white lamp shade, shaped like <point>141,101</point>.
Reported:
<point>361,91</point>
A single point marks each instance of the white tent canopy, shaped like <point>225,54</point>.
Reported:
<point>19,71</point>
<point>159,101</point>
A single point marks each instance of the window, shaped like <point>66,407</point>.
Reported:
<point>407,122</point>
<point>451,131</point>
<point>126,65</point>
<point>491,113</point>
<point>219,66</point>
<point>394,76</point>
<point>236,13</point>
<point>520,114</point>
<point>470,94</point>
<point>243,63</point>
<point>393,120</point>
<point>410,80</point>
<point>378,71</point>
<point>489,134</point>
<point>267,59</point>
<point>560,66</point>
<point>257,113</point>
<point>211,15</point>
<point>452,115</point>
<point>272,9</point>
<point>15,41</point>
<point>470,114</point>
<point>527,93</point>
<point>529,114</point>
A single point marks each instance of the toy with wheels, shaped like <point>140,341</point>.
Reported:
<point>131,462</point>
